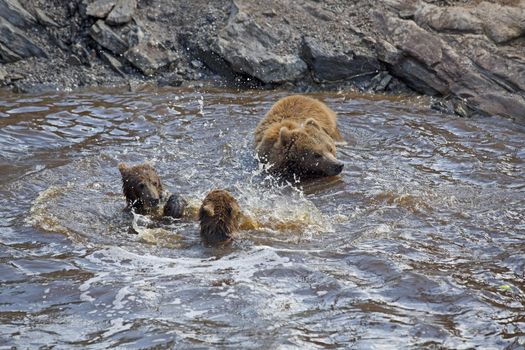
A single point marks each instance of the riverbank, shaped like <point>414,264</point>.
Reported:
<point>456,50</point>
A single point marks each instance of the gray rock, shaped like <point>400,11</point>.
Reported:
<point>380,81</point>
<point>328,64</point>
<point>3,75</point>
<point>122,12</point>
<point>44,19</point>
<point>14,44</point>
<point>100,8</point>
<point>319,13</point>
<point>453,19</point>
<point>148,58</point>
<point>212,60</point>
<point>414,55</point>
<point>74,60</point>
<point>107,38</point>
<point>506,72</point>
<point>248,49</point>
<point>465,67</point>
<point>13,12</point>
<point>114,63</point>
<point>502,23</point>
<point>135,36</point>
<point>500,103</point>
<point>82,54</point>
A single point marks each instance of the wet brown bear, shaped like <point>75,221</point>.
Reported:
<point>219,217</point>
<point>142,187</point>
<point>297,137</point>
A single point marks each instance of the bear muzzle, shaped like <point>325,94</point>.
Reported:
<point>330,166</point>
<point>337,168</point>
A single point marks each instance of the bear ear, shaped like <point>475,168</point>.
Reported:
<point>209,209</point>
<point>285,135</point>
<point>123,168</point>
<point>312,122</point>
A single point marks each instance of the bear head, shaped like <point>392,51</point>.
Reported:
<point>141,186</point>
<point>219,217</point>
<point>305,152</point>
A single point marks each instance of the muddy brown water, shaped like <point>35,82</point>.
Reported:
<point>419,243</point>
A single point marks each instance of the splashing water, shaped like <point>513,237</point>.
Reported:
<point>409,247</point>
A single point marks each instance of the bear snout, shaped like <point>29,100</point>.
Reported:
<point>153,202</point>
<point>150,196</point>
<point>332,166</point>
<point>338,168</point>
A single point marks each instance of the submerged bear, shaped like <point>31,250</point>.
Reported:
<point>219,217</point>
<point>297,138</point>
<point>142,187</point>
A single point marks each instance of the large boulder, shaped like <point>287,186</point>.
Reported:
<point>453,62</point>
<point>330,64</point>
<point>248,48</point>
<point>149,57</point>
<point>107,38</point>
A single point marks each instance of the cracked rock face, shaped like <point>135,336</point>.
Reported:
<point>14,45</point>
<point>328,64</point>
<point>247,47</point>
<point>107,38</point>
<point>455,51</point>
<point>468,51</point>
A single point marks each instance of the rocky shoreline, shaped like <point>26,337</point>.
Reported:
<point>470,53</point>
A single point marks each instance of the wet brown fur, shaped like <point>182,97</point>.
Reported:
<point>297,136</point>
<point>141,186</point>
<point>219,217</point>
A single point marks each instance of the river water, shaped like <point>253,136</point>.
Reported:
<point>419,243</point>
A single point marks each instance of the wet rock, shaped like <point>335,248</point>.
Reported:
<point>100,8</point>
<point>380,81</point>
<point>247,47</point>
<point>149,57</point>
<point>107,38</point>
<point>14,44</point>
<point>171,79</point>
<point>122,12</point>
<point>500,103</point>
<point>328,64</point>
<point>13,12</point>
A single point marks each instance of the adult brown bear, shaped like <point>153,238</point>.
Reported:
<point>297,138</point>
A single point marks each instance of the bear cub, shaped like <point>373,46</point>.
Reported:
<point>142,187</point>
<point>297,138</point>
<point>219,217</point>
